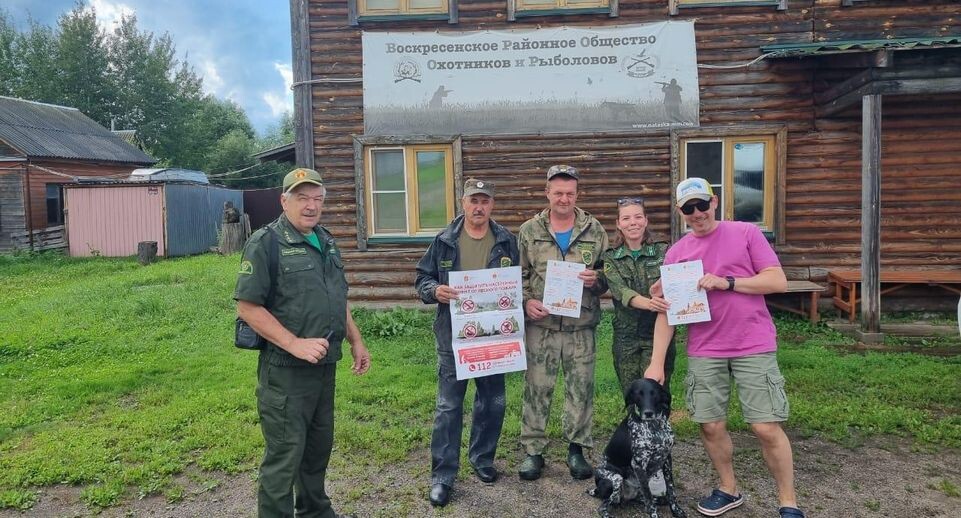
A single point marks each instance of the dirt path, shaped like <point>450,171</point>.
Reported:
<point>882,479</point>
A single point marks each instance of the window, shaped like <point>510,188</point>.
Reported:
<point>683,4</point>
<point>378,7</point>
<point>393,10</point>
<point>744,168</point>
<point>409,189</point>
<point>54,204</point>
<point>520,8</point>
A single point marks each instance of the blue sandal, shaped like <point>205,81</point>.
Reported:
<point>790,512</point>
<point>719,503</point>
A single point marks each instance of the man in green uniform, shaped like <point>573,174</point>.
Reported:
<point>562,232</point>
<point>301,311</point>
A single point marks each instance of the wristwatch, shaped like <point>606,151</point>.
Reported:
<point>730,283</point>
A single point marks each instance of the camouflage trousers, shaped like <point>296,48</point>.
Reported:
<point>549,351</point>
<point>632,356</point>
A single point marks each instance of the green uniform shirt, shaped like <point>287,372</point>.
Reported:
<point>629,276</point>
<point>310,298</point>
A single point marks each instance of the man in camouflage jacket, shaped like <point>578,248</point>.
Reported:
<point>562,232</point>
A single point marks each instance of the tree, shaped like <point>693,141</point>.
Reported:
<point>34,68</point>
<point>82,65</point>
<point>7,37</point>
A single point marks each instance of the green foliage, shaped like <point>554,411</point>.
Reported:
<point>120,378</point>
<point>132,78</point>
<point>17,499</point>
<point>396,322</point>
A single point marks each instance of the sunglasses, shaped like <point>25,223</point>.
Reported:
<point>622,202</point>
<point>701,205</point>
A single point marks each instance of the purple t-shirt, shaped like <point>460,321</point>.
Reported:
<point>740,323</point>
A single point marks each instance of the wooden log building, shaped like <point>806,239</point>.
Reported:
<point>810,81</point>
<point>42,148</point>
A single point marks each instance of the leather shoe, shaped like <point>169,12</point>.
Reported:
<point>580,469</point>
<point>531,467</point>
<point>439,495</point>
<point>486,474</point>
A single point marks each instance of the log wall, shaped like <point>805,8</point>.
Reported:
<point>11,203</point>
<point>921,135</point>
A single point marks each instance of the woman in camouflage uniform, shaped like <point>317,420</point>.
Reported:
<point>631,266</point>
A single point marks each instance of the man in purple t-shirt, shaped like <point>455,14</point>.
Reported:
<point>739,342</point>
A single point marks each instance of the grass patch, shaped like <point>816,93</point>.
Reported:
<point>120,378</point>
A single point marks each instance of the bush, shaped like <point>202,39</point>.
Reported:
<point>396,322</point>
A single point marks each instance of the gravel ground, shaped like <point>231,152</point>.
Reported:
<point>884,478</point>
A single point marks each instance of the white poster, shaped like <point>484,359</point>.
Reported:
<point>563,289</point>
<point>556,79</point>
<point>688,303</point>
<point>487,322</point>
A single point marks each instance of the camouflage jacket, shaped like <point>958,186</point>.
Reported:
<point>629,277</point>
<point>538,245</point>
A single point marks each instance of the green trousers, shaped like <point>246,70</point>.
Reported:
<point>548,352</point>
<point>632,356</point>
<point>296,407</point>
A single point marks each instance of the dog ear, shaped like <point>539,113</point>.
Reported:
<point>664,403</point>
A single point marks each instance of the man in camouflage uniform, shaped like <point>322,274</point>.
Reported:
<point>629,277</point>
<point>562,232</point>
<point>301,310</point>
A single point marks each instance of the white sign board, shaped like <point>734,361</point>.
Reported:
<point>487,322</point>
<point>563,289</point>
<point>557,79</point>
<point>688,303</point>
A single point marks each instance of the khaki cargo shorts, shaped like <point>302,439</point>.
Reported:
<point>760,388</point>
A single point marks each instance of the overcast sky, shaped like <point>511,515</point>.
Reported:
<point>241,48</point>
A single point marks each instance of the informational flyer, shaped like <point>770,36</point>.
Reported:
<point>563,288</point>
<point>487,322</point>
<point>688,303</point>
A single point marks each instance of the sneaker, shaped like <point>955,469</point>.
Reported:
<point>531,467</point>
<point>790,512</point>
<point>719,503</point>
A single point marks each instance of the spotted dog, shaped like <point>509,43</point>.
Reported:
<point>640,447</point>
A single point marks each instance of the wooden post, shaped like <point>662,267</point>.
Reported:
<point>871,219</point>
<point>146,252</point>
<point>303,107</point>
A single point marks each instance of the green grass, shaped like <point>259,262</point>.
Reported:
<point>118,378</point>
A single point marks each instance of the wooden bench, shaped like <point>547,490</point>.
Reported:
<point>812,290</point>
<point>846,283</point>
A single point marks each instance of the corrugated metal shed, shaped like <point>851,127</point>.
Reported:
<point>168,174</point>
<point>195,216</point>
<point>110,219</point>
<point>41,130</point>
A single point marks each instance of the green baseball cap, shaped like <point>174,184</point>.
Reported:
<point>301,175</point>
<point>475,186</point>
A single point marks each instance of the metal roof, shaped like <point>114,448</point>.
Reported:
<point>845,46</point>
<point>41,130</point>
<point>168,174</point>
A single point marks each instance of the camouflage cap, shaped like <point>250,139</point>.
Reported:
<point>562,170</point>
<point>299,176</point>
<point>475,186</point>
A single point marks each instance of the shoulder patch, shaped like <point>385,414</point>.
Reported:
<point>505,261</point>
<point>246,268</point>
<point>293,251</point>
<point>608,266</point>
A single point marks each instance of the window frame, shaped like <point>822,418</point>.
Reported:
<point>356,17</point>
<point>775,169</point>
<point>364,146</point>
<point>611,8</point>
<point>60,218</point>
<point>675,5</point>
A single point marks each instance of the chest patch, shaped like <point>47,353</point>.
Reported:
<point>293,251</point>
<point>505,262</point>
<point>447,264</point>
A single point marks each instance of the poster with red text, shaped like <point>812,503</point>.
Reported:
<point>487,322</point>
